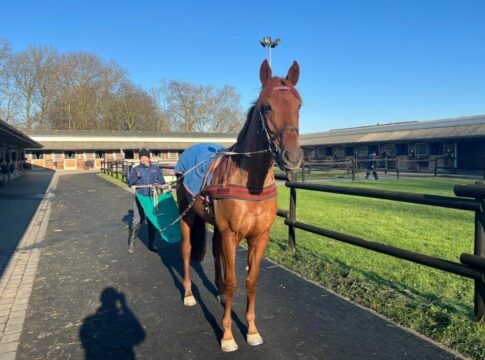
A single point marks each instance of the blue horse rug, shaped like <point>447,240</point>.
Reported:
<point>199,154</point>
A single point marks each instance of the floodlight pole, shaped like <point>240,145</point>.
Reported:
<point>267,42</point>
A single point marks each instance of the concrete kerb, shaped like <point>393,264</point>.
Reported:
<point>18,278</point>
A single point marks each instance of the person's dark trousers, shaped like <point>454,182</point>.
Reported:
<point>138,218</point>
<point>151,236</point>
<point>367,173</point>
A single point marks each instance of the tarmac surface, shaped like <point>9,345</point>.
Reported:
<point>89,299</point>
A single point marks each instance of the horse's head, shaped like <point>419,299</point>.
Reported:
<point>278,106</point>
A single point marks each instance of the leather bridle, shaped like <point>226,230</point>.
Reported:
<point>274,148</point>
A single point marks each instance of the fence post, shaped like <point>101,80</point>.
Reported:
<point>303,172</point>
<point>483,168</point>
<point>397,167</point>
<point>292,215</point>
<point>479,251</point>
<point>353,169</point>
<point>435,167</point>
<point>478,192</point>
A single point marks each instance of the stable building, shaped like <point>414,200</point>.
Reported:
<point>86,149</point>
<point>457,143</point>
<point>13,143</point>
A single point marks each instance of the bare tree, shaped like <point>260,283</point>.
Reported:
<point>8,96</point>
<point>28,71</point>
<point>80,91</point>
<point>201,108</point>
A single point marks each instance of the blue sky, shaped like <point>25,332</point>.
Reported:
<point>362,62</point>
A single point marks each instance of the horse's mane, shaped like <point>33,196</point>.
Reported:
<point>242,134</point>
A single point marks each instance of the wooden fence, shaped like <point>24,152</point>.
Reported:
<point>468,198</point>
<point>352,167</point>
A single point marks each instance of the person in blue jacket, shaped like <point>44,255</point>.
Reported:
<point>371,166</point>
<point>144,174</point>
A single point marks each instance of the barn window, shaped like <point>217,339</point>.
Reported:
<point>389,149</point>
<point>320,152</point>
<point>349,151</point>
<point>69,155</point>
<point>329,151</point>
<point>129,154</point>
<point>37,155</point>
<point>402,149</point>
<point>436,148</point>
<point>422,149</point>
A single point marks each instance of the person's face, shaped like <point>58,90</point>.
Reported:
<point>145,160</point>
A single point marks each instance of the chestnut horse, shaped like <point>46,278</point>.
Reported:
<point>270,133</point>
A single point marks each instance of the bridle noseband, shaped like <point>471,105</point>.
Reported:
<point>271,138</point>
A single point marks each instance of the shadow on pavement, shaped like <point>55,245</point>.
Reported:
<point>19,201</point>
<point>113,331</point>
<point>170,255</point>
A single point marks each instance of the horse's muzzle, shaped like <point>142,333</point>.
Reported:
<point>290,159</point>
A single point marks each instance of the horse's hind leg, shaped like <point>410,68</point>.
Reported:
<point>256,249</point>
<point>185,225</point>
<point>185,228</point>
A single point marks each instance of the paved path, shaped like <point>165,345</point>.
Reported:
<point>91,300</point>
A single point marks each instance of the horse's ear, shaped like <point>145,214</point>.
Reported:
<point>265,72</point>
<point>293,73</point>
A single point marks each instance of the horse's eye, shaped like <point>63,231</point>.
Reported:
<point>266,108</point>
<point>299,107</point>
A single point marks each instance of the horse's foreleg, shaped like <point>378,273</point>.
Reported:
<point>216,252</point>
<point>228,251</point>
<point>256,249</point>
<point>185,225</point>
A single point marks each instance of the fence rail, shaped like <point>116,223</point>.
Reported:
<point>468,198</point>
<point>397,165</point>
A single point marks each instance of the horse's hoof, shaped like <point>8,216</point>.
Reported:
<point>254,339</point>
<point>189,301</point>
<point>228,345</point>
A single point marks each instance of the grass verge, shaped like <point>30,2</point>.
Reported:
<point>432,302</point>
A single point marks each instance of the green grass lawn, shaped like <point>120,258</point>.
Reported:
<point>435,303</point>
<point>112,179</point>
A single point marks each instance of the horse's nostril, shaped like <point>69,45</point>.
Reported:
<point>292,156</point>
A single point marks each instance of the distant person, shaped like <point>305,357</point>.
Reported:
<point>371,166</point>
<point>144,174</point>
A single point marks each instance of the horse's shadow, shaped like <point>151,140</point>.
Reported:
<point>171,257</point>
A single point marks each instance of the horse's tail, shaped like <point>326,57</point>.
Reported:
<point>197,239</point>
<point>197,227</point>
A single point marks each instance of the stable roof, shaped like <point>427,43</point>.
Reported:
<point>462,127</point>
<point>115,140</point>
<point>11,136</point>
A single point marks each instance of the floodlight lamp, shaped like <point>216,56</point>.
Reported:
<point>267,40</point>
